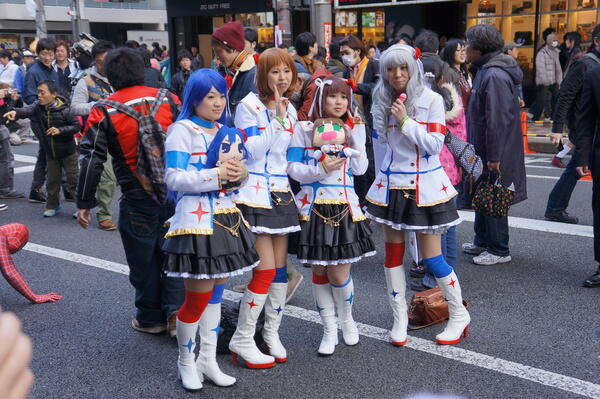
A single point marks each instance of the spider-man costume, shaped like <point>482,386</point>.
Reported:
<point>13,237</point>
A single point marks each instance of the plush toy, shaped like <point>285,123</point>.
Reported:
<point>330,138</point>
<point>227,144</point>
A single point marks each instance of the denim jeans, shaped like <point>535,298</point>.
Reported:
<point>141,225</point>
<point>559,197</point>
<point>492,233</point>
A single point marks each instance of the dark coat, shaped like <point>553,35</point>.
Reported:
<point>569,97</point>
<point>153,78</point>
<point>243,85</point>
<point>178,82</point>
<point>35,74</point>
<point>493,119</point>
<point>62,145</point>
<point>588,123</point>
<point>366,88</point>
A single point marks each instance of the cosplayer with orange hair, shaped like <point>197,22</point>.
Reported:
<point>267,203</point>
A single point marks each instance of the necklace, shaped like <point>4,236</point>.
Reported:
<point>233,230</point>
<point>202,122</point>
<point>333,221</point>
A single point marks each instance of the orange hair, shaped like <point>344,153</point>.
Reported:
<point>268,60</point>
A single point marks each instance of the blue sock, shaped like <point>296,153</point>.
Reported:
<point>343,285</point>
<point>438,266</point>
<point>280,275</point>
<point>217,293</point>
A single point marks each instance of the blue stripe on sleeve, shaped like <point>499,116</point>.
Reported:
<point>295,154</point>
<point>251,131</point>
<point>177,159</point>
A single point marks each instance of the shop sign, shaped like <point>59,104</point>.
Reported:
<point>327,36</point>
<point>342,3</point>
<point>187,8</point>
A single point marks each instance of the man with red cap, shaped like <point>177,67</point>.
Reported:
<point>240,68</point>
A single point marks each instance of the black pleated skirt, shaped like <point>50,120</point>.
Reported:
<point>322,244</point>
<point>282,218</point>
<point>402,213</point>
<point>218,255</point>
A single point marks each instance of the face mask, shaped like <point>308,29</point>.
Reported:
<point>348,60</point>
<point>555,43</point>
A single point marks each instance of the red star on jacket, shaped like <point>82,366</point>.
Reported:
<point>257,186</point>
<point>199,212</point>
<point>444,188</point>
<point>251,304</point>
<point>304,200</point>
<point>379,185</point>
<point>452,282</point>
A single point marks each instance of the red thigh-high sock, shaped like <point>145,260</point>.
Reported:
<point>193,306</point>
<point>394,254</point>
<point>261,280</point>
<point>320,279</point>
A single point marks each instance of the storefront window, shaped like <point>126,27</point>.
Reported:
<point>373,26</point>
<point>255,19</point>
<point>346,23</point>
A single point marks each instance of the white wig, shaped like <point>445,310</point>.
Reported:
<point>383,94</point>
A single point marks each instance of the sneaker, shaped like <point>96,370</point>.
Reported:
<point>14,139</point>
<point>148,330</point>
<point>107,225</point>
<point>556,161</point>
<point>12,195</point>
<point>529,115</point>
<point>294,282</point>
<point>37,195</point>
<point>240,288</point>
<point>488,259</point>
<point>472,249</point>
<point>172,325</point>
<point>48,213</point>
<point>561,216</point>
<point>417,270</point>
<point>3,207</point>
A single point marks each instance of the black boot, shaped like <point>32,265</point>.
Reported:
<point>561,216</point>
<point>37,195</point>
<point>594,280</point>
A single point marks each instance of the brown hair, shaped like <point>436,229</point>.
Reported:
<point>214,42</point>
<point>268,60</point>
<point>64,44</point>
<point>337,86</point>
<point>354,43</point>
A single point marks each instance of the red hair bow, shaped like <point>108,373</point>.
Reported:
<point>417,53</point>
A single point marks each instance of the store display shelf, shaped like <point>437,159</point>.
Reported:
<point>568,11</point>
<point>525,14</point>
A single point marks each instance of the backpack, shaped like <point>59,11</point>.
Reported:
<point>150,143</point>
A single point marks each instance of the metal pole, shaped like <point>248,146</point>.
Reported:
<point>75,20</point>
<point>321,12</point>
<point>40,20</point>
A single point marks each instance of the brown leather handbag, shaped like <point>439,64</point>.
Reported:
<point>427,308</point>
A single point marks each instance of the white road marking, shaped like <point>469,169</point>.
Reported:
<point>540,376</point>
<point>545,226</point>
<point>24,169</point>
<point>25,158</point>
<point>542,167</point>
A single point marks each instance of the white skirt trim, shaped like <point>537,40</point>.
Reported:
<point>212,276</point>
<point>336,262</point>
<point>436,229</point>
<point>267,230</point>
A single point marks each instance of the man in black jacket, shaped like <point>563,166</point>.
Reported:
<point>566,110</point>
<point>587,148</point>
<point>184,60</point>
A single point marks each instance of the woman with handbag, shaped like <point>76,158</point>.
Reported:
<point>411,191</point>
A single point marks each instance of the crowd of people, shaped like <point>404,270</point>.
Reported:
<point>291,151</point>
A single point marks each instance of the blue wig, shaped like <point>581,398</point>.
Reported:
<point>213,151</point>
<point>197,87</point>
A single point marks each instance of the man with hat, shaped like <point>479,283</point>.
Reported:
<point>240,68</point>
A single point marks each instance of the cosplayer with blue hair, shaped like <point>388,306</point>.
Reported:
<point>208,240</point>
<point>197,87</point>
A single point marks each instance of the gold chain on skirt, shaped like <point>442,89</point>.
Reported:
<point>333,221</point>
<point>406,194</point>
<point>281,201</point>
<point>233,230</point>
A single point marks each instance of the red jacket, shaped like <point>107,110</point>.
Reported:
<point>110,131</point>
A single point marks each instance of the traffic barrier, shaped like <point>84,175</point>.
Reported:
<point>587,177</point>
<point>526,149</point>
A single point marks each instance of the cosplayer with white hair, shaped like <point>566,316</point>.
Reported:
<point>412,192</point>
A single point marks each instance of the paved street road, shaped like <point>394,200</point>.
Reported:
<point>534,332</point>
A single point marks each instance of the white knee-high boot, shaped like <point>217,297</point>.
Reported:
<point>396,292</point>
<point>344,297</point>
<point>206,363</point>
<point>273,314</point>
<point>458,324</point>
<point>326,307</point>
<point>242,342</point>
<point>186,368</point>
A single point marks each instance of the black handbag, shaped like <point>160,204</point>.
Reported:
<point>465,155</point>
<point>491,198</point>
